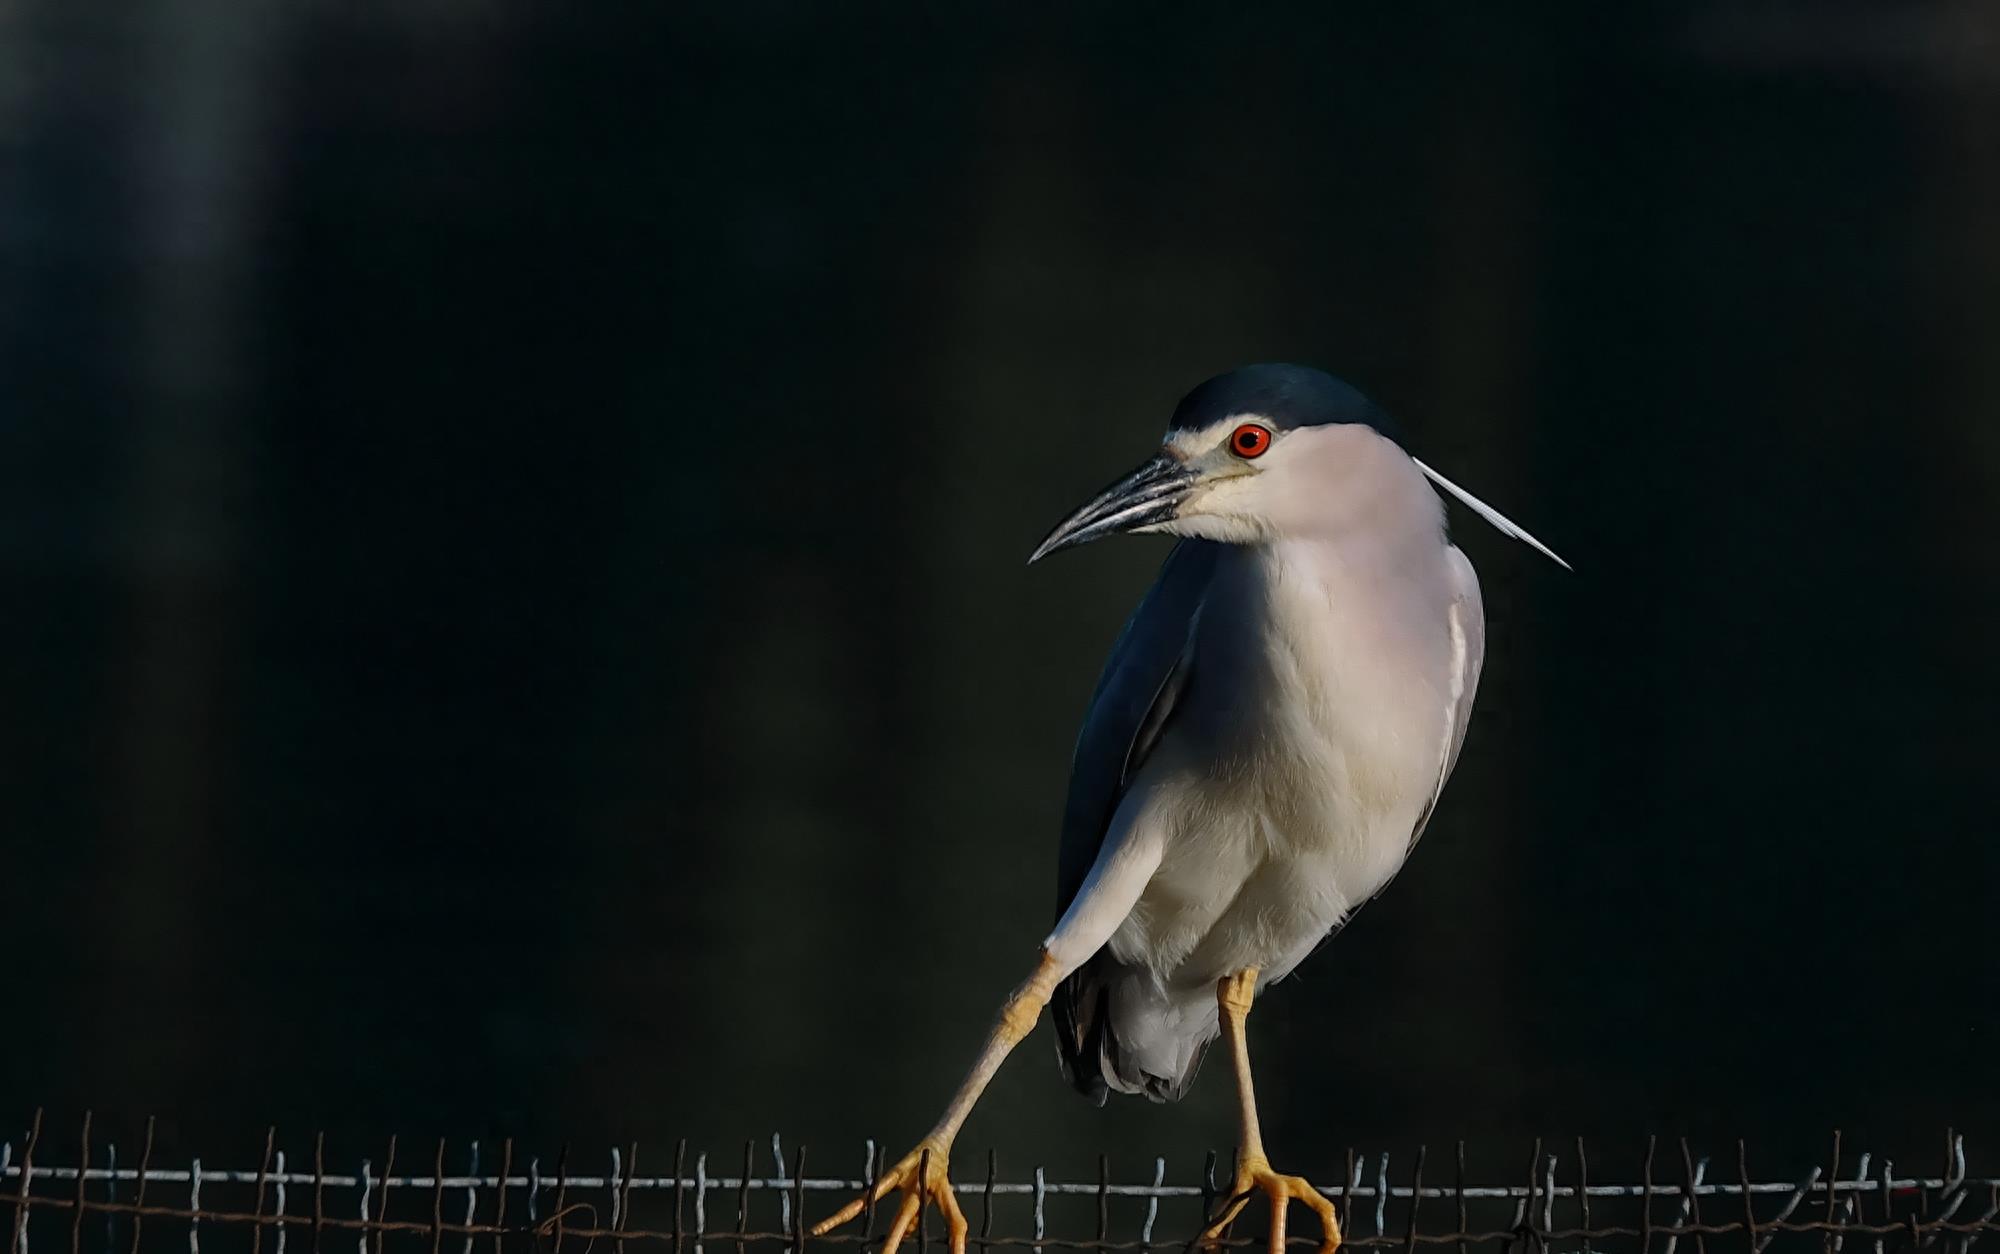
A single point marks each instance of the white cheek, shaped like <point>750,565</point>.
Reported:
<point>1218,527</point>
<point>1224,510</point>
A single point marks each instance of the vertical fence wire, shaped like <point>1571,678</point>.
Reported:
<point>382,1214</point>
<point>506,1174</point>
<point>1458,1190</point>
<point>986,1202</point>
<point>263,1183</point>
<point>279,1210</point>
<point>624,1195</point>
<point>798,1227</point>
<point>437,1199</point>
<point>1103,1196</point>
<point>743,1196</point>
<point>559,1212</point>
<point>1582,1187</point>
<point>472,1195</point>
<point>1381,1193</point>
<point>784,1194</point>
<point>700,1199</point>
<point>1152,1203</point>
<point>19,1242</point>
<point>680,1173</point>
<point>1416,1200</point>
<point>82,1177</point>
<point>319,1194</point>
<point>1350,1180</point>
<point>111,1196</point>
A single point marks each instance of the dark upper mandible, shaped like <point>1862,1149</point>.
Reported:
<point>1290,396</point>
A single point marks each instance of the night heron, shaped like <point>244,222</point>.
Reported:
<point>1265,746</point>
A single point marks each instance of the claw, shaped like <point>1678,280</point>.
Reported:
<point>923,1175</point>
<point>1255,1176</point>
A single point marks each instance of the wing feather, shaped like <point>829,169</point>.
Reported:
<point>1468,635</point>
<point>1142,684</point>
<point>1142,680</point>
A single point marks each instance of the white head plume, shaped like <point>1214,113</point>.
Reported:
<point>1501,523</point>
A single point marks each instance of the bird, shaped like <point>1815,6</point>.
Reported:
<point>1265,746</point>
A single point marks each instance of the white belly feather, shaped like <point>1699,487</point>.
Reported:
<point>1299,767</point>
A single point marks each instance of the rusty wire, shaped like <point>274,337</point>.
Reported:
<point>1557,1204</point>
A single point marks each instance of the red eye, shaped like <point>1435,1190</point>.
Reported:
<point>1250,440</point>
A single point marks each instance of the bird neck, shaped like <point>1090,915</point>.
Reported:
<point>1355,493</point>
<point>1369,567</point>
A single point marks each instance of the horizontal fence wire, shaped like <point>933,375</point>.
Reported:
<point>510,1200</point>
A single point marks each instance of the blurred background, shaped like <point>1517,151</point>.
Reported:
<point>512,521</point>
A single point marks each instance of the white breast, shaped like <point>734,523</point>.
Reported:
<point>1313,734</point>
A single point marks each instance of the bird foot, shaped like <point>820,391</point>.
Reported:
<point>1254,1175</point>
<point>923,1176</point>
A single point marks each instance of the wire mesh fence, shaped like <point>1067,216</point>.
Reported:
<point>74,1193</point>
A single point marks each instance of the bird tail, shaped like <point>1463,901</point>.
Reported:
<point>1116,1028</point>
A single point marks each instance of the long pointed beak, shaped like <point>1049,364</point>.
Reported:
<point>1150,495</point>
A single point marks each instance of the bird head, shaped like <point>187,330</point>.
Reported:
<point>1256,455</point>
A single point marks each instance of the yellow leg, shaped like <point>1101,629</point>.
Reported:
<point>923,1174</point>
<point>1253,1169</point>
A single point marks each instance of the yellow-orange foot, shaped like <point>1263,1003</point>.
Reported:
<point>922,1176</point>
<point>1253,1176</point>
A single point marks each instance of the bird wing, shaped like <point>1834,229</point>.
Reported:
<point>1468,639</point>
<point>1142,680</point>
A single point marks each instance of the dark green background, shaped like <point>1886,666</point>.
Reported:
<point>512,524</point>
